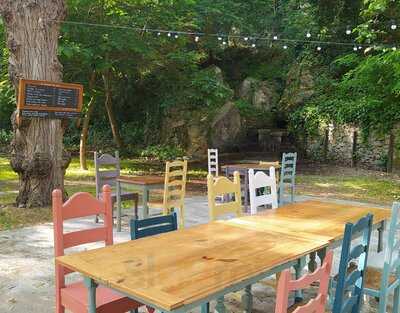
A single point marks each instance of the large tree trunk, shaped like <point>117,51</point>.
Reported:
<point>110,113</point>
<point>85,126</point>
<point>37,153</point>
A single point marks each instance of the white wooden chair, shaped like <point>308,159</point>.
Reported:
<point>213,162</point>
<point>260,182</point>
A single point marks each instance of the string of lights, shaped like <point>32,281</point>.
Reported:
<point>251,40</point>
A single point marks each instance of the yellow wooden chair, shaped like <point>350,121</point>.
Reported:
<point>174,189</point>
<point>221,187</point>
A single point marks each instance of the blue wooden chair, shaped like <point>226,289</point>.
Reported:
<point>350,280</point>
<point>380,283</point>
<point>153,226</point>
<point>288,174</point>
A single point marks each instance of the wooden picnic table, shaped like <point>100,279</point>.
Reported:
<point>243,169</point>
<point>178,271</point>
<point>140,183</point>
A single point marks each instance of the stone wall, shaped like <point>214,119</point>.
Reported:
<point>346,145</point>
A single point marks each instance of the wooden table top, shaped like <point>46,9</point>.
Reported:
<point>178,268</point>
<point>141,180</point>
<point>310,219</point>
<point>256,166</point>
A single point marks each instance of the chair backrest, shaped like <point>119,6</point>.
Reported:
<point>81,204</point>
<point>392,249</point>
<point>288,174</point>
<point>175,186</point>
<point>153,226</point>
<point>350,284</point>
<point>213,162</point>
<point>108,175</point>
<point>259,184</point>
<point>286,285</point>
<point>222,186</point>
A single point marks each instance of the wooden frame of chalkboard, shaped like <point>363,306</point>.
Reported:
<point>38,98</point>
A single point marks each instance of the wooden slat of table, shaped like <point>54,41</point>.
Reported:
<point>181,267</point>
<point>142,180</point>
<point>313,219</point>
<point>256,166</point>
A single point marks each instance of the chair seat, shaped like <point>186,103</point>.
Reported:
<point>74,297</point>
<point>373,278</point>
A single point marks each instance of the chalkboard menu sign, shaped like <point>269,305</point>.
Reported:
<point>45,99</point>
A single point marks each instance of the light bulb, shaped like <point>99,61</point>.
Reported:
<point>169,35</point>
<point>196,38</point>
<point>253,45</point>
<point>158,34</point>
<point>219,38</point>
<point>355,48</point>
<point>319,48</point>
<point>176,36</point>
<point>394,48</point>
<point>308,35</point>
<point>348,31</point>
<point>246,38</point>
<point>393,26</point>
<point>275,37</point>
<point>224,42</point>
<point>285,47</point>
<point>360,47</point>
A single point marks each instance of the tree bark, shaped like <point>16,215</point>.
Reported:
<point>390,158</point>
<point>110,113</point>
<point>37,153</point>
<point>85,126</point>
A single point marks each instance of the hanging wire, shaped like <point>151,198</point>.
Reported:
<point>223,38</point>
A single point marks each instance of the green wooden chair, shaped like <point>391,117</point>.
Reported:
<point>288,174</point>
<point>382,282</point>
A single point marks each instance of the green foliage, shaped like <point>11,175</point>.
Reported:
<point>162,152</point>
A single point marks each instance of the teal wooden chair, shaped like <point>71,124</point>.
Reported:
<point>150,227</point>
<point>350,280</point>
<point>153,226</point>
<point>288,175</point>
<point>382,282</point>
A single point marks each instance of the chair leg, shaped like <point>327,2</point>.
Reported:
<point>383,304</point>
<point>205,308</point>
<point>136,207</point>
<point>396,301</point>
<point>220,307</point>
<point>247,299</point>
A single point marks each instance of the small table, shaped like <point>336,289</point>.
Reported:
<point>243,169</point>
<point>140,183</point>
<point>178,271</point>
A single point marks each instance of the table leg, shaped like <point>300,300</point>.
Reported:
<point>247,299</point>
<point>118,206</point>
<point>246,191</point>
<point>381,230</point>
<point>205,308</point>
<point>145,200</point>
<point>91,287</point>
<point>220,307</point>
<point>312,264</point>
<point>299,269</point>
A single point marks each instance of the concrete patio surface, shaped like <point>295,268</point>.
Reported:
<point>27,265</point>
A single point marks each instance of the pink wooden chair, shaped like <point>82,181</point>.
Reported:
<point>73,297</point>
<point>286,285</point>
